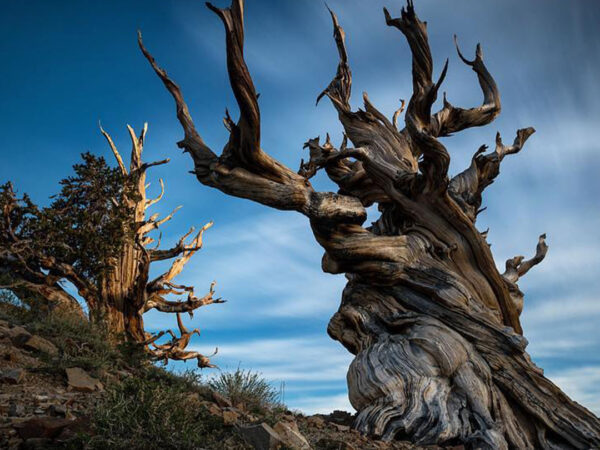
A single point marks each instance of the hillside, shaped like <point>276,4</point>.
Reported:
<point>63,386</point>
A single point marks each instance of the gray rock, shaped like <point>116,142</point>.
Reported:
<point>57,410</point>
<point>261,437</point>
<point>12,376</point>
<point>292,438</point>
<point>16,410</point>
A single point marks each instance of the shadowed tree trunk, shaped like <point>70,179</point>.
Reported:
<point>434,326</point>
<point>118,295</point>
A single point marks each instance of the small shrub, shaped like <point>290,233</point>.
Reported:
<point>247,388</point>
<point>154,412</point>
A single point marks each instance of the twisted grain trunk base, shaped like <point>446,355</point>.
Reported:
<point>435,375</point>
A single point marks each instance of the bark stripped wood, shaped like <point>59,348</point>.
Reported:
<point>434,327</point>
<point>123,292</point>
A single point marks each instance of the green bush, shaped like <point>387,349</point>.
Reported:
<point>247,388</point>
<point>155,412</point>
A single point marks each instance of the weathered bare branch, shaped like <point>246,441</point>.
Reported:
<point>146,166</point>
<point>436,159</point>
<point>339,89</point>
<point>161,255</point>
<point>244,170</point>
<point>451,119</point>
<point>84,287</point>
<point>160,196</point>
<point>158,302</point>
<point>516,267</point>
<point>137,146</point>
<point>175,349</point>
<point>113,147</point>
<point>177,266</point>
<point>152,223</point>
<point>466,187</point>
<point>397,113</point>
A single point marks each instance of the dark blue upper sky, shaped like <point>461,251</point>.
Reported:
<point>68,64</point>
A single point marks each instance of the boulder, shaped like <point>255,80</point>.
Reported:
<point>291,422</point>
<point>261,437</point>
<point>291,438</point>
<point>12,376</point>
<point>40,344</point>
<point>41,427</point>
<point>79,380</point>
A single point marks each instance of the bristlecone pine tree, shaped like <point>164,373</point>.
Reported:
<point>95,235</point>
<point>440,356</point>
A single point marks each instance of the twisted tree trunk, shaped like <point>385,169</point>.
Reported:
<point>119,305</point>
<point>440,356</point>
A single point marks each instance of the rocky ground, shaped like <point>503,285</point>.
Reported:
<point>46,405</point>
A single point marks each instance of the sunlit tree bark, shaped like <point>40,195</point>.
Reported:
<point>434,326</point>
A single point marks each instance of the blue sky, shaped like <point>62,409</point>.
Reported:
<point>67,64</point>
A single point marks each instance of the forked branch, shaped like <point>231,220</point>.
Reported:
<point>467,187</point>
<point>175,349</point>
<point>516,267</point>
<point>451,119</point>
